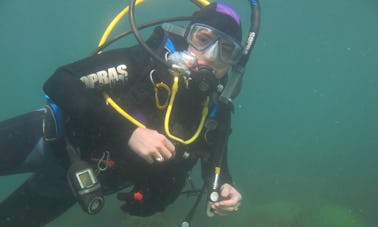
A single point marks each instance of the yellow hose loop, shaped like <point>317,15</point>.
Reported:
<point>123,113</point>
<point>104,37</point>
<point>110,101</point>
<point>114,22</point>
<point>157,101</point>
<point>205,111</point>
<point>115,106</point>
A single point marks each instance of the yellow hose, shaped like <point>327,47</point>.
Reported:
<point>116,107</point>
<point>203,2</point>
<point>122,112</point>
<point>104,37</point>
<point>114,22</point>
<point>205,110</point>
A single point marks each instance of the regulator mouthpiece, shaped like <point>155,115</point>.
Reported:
<point>203,80</point>
<point>181,61</point>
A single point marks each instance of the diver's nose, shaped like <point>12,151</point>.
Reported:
<point>212,52</point>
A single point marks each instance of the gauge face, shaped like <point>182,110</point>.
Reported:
<point>85,178</point>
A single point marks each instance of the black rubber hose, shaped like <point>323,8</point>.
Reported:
<point>139,37</point>
<point>143,26</point>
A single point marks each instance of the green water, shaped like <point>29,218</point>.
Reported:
<point>305,138</point>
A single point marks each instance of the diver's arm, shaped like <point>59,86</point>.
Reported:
<point>151,145</point>
<point>208,170</point>
<point>69,93</point>
<point>66,89</point>
<point>229,197</point>
<point>219,149</point>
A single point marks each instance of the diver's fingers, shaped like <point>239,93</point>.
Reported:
<point>167,150</point>
<point>149,159</point>
<point>165,153</point>
<point>227,203</point>
<point>223,210</point>
<point>156,157</point>
<point>170,146</point>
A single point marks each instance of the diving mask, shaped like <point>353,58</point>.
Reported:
<point>216,44</point>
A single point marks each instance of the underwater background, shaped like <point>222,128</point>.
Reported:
<point>304,148</point>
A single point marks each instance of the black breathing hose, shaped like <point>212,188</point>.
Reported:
<point>139,37</point>
<point>143,26</point>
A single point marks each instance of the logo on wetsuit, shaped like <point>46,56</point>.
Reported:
<point>112,76</point>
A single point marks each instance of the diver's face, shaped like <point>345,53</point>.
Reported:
<point>209,56</point>
<point>218,67</point>
<point>213,48</point>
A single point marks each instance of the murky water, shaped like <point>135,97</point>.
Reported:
<point>305,137</point>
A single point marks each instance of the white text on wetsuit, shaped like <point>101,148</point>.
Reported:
<point>111,76</point>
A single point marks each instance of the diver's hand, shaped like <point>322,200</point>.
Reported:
<point>151,145</point>
<point>230,200</point>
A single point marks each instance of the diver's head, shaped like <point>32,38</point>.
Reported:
<point>214,37</point>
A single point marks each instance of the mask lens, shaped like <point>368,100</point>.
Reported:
<point>201,37</point>
<point>230,51</point>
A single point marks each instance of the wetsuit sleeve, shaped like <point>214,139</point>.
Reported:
<point>85,101</point>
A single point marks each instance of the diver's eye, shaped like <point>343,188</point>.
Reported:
<point>227,47</point>
<point>203,39</point>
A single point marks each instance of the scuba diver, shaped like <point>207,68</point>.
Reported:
<point>121,121</point>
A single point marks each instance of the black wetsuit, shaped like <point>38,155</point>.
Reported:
<point>128,75</point>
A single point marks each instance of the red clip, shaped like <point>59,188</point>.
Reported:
<point>138,196</point>
<point>111,163</point>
